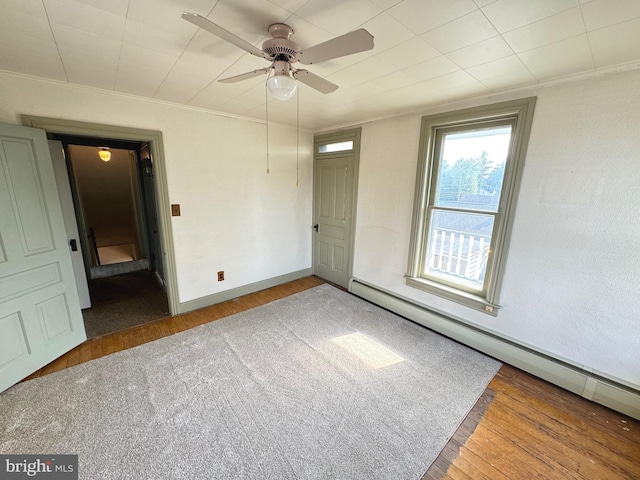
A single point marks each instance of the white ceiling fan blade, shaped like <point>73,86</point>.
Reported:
<point>353,42</point>
<point>218,31</point>
<point>245,76</point>
<point>315,82</point>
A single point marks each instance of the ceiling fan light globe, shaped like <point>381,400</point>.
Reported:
<point>282,87</point>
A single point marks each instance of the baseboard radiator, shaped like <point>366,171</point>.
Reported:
<point>581,381</point>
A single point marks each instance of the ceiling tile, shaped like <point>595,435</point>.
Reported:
<point>37,44</point>
<point>215,94</point>
<point>558,59</point>
<point>435,67</point>
<point>507,15</point>
<point>483,3</point>
<point>409,53</point>
<point>421,16</point>
<point>338,16</point>
<point>117,7</point>
<point>289,5</point>
<point>387,32</point>
<point>33,8</point>
<point>462,32</point>
<point>80,56</point>
<point>604,13</point>
<point>550,30</point>
<point>482,52</point>
<point>202,70</point>
<point>420,93</point>
<point>465,90</point>
<point>71,39</point>
<point>619,43</point>
<point>137,79</point>
<point>164,15</point>
<point>15,22</point>
<point>179,89</point>
<point>394,80</point>
<point>47,66</point>
<point>148,58</point>
<point>509,80</point>
<point>86,18</point>
<point>151,38</point>
<point>505,66</point>
<point>451,80</point>
<point>385,4</point>
<point>361,72</point>
<point>83,74</point>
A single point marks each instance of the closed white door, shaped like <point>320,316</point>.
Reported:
<point>40,317</point>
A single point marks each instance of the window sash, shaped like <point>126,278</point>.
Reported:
<point>518,114</point>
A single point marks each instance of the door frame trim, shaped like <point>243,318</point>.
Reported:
<point>154,138</point>
<point>354,134</point>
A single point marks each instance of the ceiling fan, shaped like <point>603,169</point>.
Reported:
<point>283,52</point>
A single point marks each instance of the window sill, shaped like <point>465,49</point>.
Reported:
<point>463,298</point>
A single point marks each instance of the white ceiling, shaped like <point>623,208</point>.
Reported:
<point>426,51</point>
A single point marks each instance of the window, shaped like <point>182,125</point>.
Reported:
<point>335,147</point>
<point>469,167</point>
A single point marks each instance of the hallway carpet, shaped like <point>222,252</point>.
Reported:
<point>124,301</point>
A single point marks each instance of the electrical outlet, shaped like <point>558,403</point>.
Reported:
<point>221,275</point>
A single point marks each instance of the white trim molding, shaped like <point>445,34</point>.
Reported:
<point>219,297</point>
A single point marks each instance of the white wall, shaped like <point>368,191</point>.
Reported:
<point>572,283</point>
<point>235,217</point>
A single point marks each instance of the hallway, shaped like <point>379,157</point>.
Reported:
<point>124,301</point>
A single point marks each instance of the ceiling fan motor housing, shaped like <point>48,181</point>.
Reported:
<point>280,47</point>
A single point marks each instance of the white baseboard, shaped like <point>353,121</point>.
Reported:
<point>592,386</point>
<point>202,302</point>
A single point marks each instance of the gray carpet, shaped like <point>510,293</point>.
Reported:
<point>319,385</point>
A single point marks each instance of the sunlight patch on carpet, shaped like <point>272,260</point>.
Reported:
<point>369,351</point>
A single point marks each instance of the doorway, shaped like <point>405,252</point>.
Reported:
<point>336,158</point>
<point>114,202</point>
<point>165,262</point>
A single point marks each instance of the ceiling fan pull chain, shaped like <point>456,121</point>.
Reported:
<point>298,138</point>
<point>266,108</point>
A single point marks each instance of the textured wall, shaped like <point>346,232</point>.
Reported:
<point>235,217</point>
<point>571,286</point>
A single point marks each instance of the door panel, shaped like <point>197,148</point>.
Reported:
<point>40,316</point>
<point>70,221</point>
<point>334,192</point>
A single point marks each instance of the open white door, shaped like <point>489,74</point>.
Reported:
<point>70,222</point>
<point>40,317</point>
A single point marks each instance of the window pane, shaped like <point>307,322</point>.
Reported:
<point>336,147</point>
<point>471,168</point>
<point>458,246</point>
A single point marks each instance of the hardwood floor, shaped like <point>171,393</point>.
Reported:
<point>521,427</point>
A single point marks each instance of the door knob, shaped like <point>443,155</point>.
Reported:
<point>315,227</point>
<point>74,245</point>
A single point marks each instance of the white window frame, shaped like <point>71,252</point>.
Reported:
<point>520,114</point>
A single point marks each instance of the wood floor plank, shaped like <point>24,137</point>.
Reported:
<point>531,433</point>
<point>571,425</point>
<point>615,423</point>
<point>476,467</point>
<point>508,458</point>
<point>73,357</point>
<point>96,347</point>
